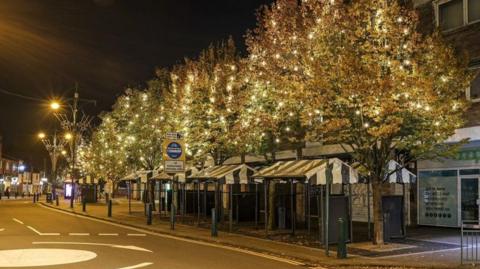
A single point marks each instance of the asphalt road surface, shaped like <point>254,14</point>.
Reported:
<point>32,236</point>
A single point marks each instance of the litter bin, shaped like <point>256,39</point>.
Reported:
<point>49,197</point>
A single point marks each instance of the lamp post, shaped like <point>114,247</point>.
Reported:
<point>74,127</point>
<point>55,147</point>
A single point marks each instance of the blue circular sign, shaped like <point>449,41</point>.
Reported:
<point>174,150</point>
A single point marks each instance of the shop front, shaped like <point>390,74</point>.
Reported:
<point>449,190</point>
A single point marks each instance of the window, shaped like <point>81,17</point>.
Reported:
<point>452,14</point>
<point>473,92</point>
<point>473,10</point>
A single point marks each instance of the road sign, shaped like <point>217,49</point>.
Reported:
<point>173,153</point>
<point>173,136</point>
<point>174,166</point>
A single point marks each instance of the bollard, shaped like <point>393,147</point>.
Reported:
<point>149,214</point>
<point>16,194</point>
<point>34,198</point>
<point>109,208</point>
<point>342,239</point>
<point>56,200</point>
<point>214,223</point>
<point>84,204</point>
<point>172,217</point>
<point>0,195</point>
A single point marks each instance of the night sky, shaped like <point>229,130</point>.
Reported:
<point>104,45</point>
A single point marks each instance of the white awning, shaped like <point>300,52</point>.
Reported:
<point>314,171</point>
<point>230,174</point>
<point>130,177</point>
<point>400,174</point>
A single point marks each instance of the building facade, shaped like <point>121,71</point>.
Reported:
<point>448,190</point>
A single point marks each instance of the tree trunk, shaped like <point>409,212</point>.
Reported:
<point>377,214</point>
<point>114,188</point>
<point>152,194</point>
<point>271,205</point>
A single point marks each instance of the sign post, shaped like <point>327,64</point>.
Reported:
<point>173,162</point>
<point>173,153</point>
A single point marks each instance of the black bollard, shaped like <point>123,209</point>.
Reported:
<point>84,204</point>
<point>56,200</point>
<point>16,194</point>
<point>149,214</point>
<point>342,239</point>
<point>109,208</point>
<point>214,223</point>
<point>172,217</point>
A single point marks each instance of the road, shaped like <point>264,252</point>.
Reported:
<point>38,237</point>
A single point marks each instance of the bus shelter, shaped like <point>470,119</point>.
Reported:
<point>219,176</point>
<point>316,173</point>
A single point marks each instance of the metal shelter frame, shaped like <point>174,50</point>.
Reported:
<point>219,175</point>
<point>323,172</point>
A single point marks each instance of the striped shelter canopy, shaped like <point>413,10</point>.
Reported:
<point>318,172</point>
<point>229,174</point>
<point>160,175</point>
<point>399,174</point>
<point>143,175</point>
<point>130,177</point>
<point>183,176</point>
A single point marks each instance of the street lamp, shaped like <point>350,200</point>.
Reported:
<point>54,146</point>
<point>54,105</point>
<point>75,128</point>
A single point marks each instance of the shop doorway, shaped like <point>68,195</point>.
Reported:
<point>470,198</point>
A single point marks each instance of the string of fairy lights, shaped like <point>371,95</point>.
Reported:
<point>311,67</point>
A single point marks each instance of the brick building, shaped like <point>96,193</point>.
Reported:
<point>448,190</point>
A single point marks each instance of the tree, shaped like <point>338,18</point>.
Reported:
<point>206,93</point>
<point>386,91</point>
<point>365,79</point>
<point>275,77</point>
<point>105,156</point>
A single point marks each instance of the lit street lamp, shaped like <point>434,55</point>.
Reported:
<point>74,129</point>
<point>55,147</point>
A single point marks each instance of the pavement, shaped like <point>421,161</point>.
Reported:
<point>126,241</point>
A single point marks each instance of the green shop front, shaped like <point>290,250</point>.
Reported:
<point>448,191</point>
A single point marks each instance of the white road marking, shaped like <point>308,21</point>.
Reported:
<point>17,220</point>
<point>107,234</point>
<point>136,235</point>
<point>137,265</point>
<point>39,233</point>
<point>417,253</point>
<point>33,229</point>
<point>79,234</point>
<point>42,257</point>
<point>266,256</point>
<point>93,244</point>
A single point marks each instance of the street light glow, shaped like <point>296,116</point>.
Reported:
<point>68,136</point>
<point>54,105</point>
<point>64,152</point>
<point>41,135</point>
